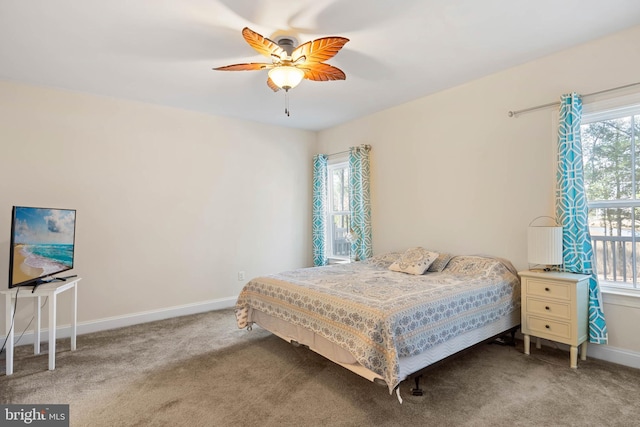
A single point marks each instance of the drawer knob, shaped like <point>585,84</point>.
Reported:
<point>547,308</point>
<point>547,289</point>
<point>547,326</point>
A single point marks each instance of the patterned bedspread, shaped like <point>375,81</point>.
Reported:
<point>381,315</point>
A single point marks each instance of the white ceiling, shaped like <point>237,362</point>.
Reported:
<point>163,52</point>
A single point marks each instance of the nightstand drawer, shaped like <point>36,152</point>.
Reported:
<point>546,328</point>
<point>549,308</point>
<point>548,289</point>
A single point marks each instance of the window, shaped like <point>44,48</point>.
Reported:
<point>611,155</point>
<point>337,246</point>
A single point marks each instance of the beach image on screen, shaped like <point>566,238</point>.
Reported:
<point>43,242</point>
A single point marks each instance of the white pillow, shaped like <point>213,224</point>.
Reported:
<point>414,261</point>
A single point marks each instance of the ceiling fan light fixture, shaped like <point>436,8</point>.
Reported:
<point>286,77</point>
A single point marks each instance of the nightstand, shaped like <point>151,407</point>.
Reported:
<point>555,307</point>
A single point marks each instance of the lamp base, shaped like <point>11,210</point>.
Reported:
<point>540,268</point>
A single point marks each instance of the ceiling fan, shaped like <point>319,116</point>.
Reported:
<point>290,63</point>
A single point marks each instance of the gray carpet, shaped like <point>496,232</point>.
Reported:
<point>201,370</point>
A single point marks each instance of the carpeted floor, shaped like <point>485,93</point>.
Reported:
<point>201,370</point>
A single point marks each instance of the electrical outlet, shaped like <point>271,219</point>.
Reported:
<point>240,275</point>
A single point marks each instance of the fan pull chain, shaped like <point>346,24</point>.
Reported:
<point>286,103</point>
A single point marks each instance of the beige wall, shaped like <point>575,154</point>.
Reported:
<point>454,173</point>
<point>170,204</point>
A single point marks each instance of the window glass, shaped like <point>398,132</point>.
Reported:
<point>337,246</point>
<point>607,155</point>
<point>611,168</point>
<point>340,185</point>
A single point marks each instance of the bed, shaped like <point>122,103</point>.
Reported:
<point>384,324</point>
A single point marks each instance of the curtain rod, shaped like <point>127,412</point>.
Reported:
<point>552,104</point>
<point>340,152</point>
<point>366,146</point>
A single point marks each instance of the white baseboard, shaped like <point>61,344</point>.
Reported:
<point>602,352</point>
<point>130,319</point>
<point>614,355</point>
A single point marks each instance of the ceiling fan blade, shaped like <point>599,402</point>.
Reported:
<point>272,85</point>
<point>319,50</point>
<point>263,45</point>
<point>244,67</point>
<point>322,72</point>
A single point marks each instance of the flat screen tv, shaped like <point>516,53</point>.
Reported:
<point>42,244</point>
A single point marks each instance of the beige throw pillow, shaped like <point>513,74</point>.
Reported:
<point>414,261</point>
<point>440,263</point>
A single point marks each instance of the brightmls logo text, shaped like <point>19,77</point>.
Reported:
<point>35,415</point>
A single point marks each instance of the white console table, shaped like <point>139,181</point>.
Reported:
<point>50,290</point>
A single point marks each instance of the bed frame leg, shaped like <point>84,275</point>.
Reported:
<point>417,391</point>
<point>504,340</point>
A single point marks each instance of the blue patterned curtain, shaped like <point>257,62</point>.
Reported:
<point>319,209</point>
<point>360,202</point>
<point>571,210</point>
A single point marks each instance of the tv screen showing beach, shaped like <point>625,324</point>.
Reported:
<point>42,243</point>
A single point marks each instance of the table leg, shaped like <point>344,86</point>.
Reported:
<point>36,313</point>
<point>527,343</point>
<point>583,351</point>
<point>574,356</point>
<point>9,330</point>
<point>52,331</point>
<point>74,320</point>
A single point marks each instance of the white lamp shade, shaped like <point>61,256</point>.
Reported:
<point>286,77</point>
<point>545,245</point>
